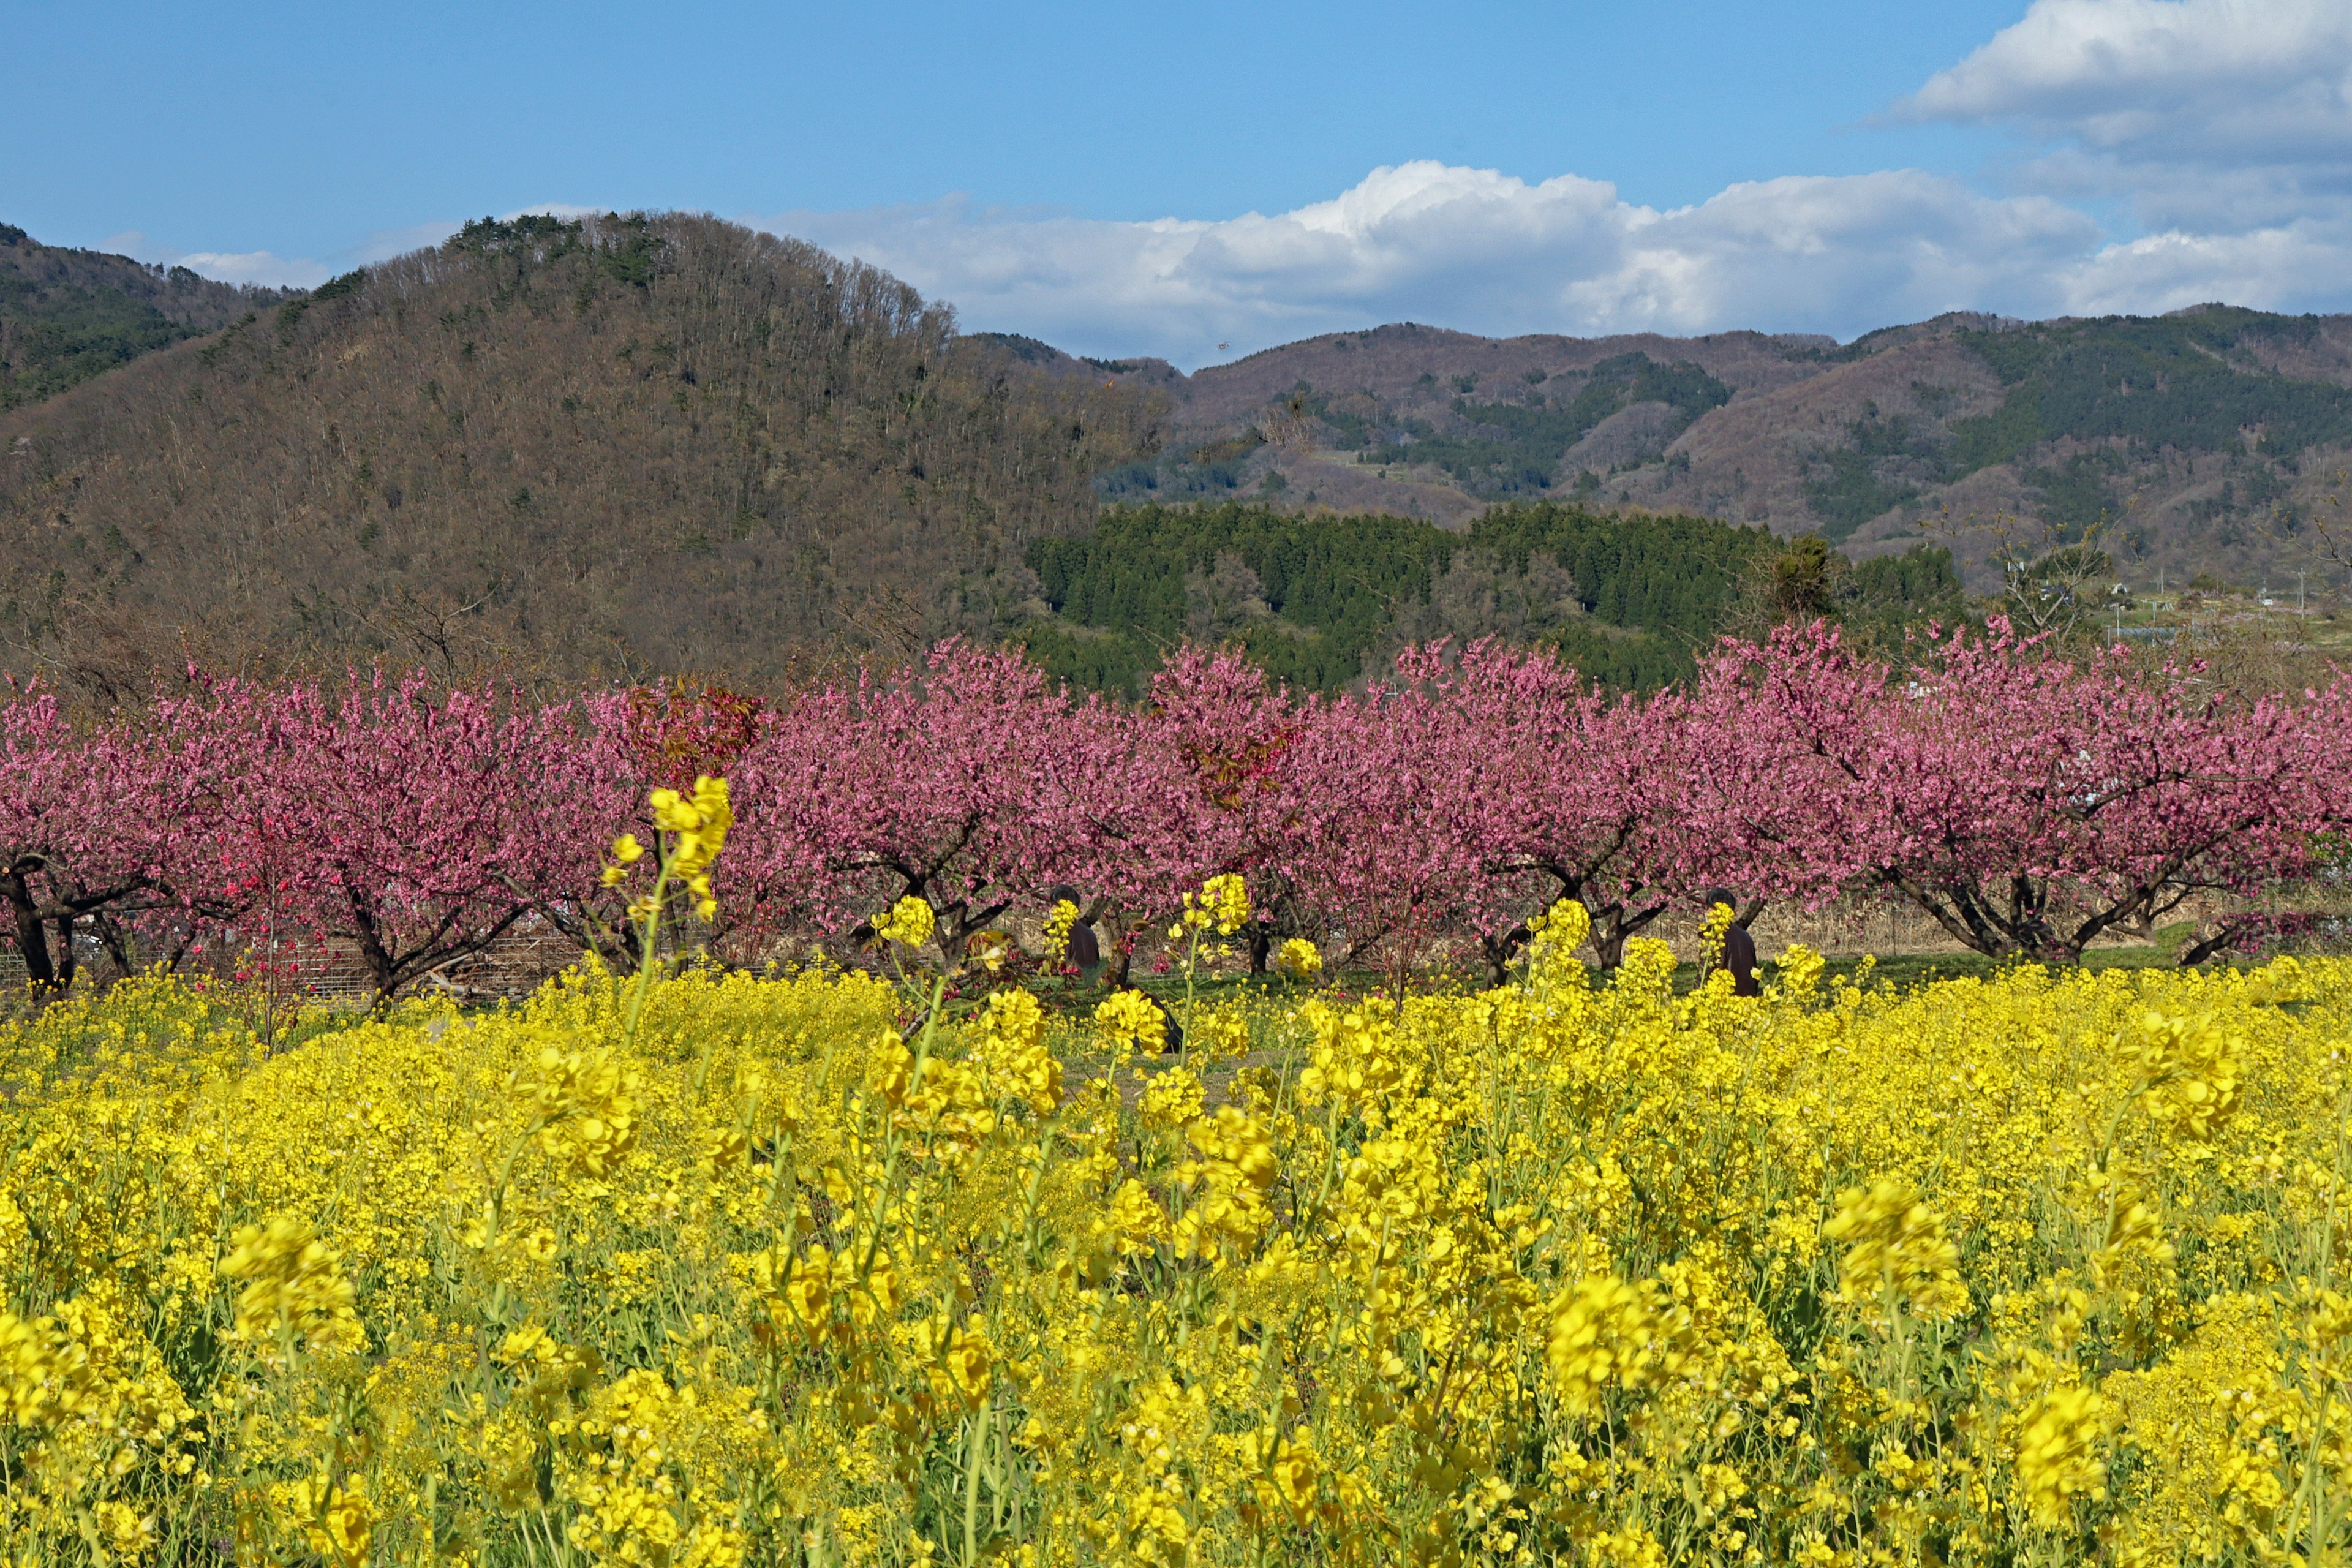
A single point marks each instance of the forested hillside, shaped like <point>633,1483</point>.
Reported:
<point>626,445</point>
<point>639,446</point>
<point>67,315</point>
<point>2214,439</point>
<point>1318,600</point>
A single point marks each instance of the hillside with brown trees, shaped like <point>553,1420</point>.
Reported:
<point>622,447</point>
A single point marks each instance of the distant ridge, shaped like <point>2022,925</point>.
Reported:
<point>2207,440</point>
<point>69,315</point>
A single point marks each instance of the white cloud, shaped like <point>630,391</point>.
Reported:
<point>2302,266</point>
<point>259,267</point>
<point>1481,251</point>
<point>2226,125</point>
<point>2206,113</point>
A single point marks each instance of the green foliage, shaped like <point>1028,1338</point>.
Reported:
<point>1336,579</point>
<point>1643,661</point>
<point>1671,576</point>
<point>2075,497</point>
<point>2185,381</point>
<point>1850,485</point>
<point>1887,593</point>
<point>1847,492</point>
<point>1336,590</point>
<point>58,338</point>
<point>2008,432</point>
<point>69,315</point>
<point>1507,451</point>
<point>1212,471</point>
<point>534,236</point>
<point>1922,578</point>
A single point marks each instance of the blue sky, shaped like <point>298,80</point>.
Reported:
<point>1128,179</point>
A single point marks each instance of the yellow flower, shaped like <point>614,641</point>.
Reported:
<point>1607,1333</point>
<point>1299,958</point>
<point>1229,1183</point>
<point>44,1377</point>
<point>294,1284</point>
<point>1135,1223</point>
<point>1171,1100</point>
<point>1556,935</point>
<point>1058,924</point>
<point>970,1362</point>
<point>910,922</point>
<point>1012,1047</point>
<point>2059,1454</point>
<point>2189,1070</point>
<point>585,1109</point>
<point>1228,902</point>
<point>1130,1020</point>
<point>1897,1251</point>
<point>129,1535</point>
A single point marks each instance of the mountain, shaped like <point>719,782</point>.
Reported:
<point>654,444</point>
<point>2205,441</point>
<point>67,315</point>
<point>627,444</point>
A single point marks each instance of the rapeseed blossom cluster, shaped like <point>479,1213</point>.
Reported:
<point>822,1270</point>
<point>909,923</point>
<point>690,831</point>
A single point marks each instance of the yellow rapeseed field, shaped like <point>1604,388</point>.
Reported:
<point>795,1270</point>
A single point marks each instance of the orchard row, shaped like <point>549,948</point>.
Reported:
<point>2027,804</point>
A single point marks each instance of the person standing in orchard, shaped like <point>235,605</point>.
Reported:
<point>1080,947</point>
<point>1738,951</point>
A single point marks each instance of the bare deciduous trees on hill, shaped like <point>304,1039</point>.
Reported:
<point>623,446</point>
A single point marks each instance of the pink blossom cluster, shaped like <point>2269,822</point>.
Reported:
<point>2027,803</point>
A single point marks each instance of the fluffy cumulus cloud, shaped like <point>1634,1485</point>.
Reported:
<point>2226,119</point>
<point>1481,251</point>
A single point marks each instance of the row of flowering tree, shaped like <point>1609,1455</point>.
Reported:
<point>2028,804</point>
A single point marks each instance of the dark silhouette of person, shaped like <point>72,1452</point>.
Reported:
<point>1738,955</point>
<point>1085,948</point>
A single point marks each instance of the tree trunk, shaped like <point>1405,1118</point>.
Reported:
<point>32,936</point>
<point>1613,924</point>
<point>959,922</point>
<point>1499,948</point>
<point>2197,952</point>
